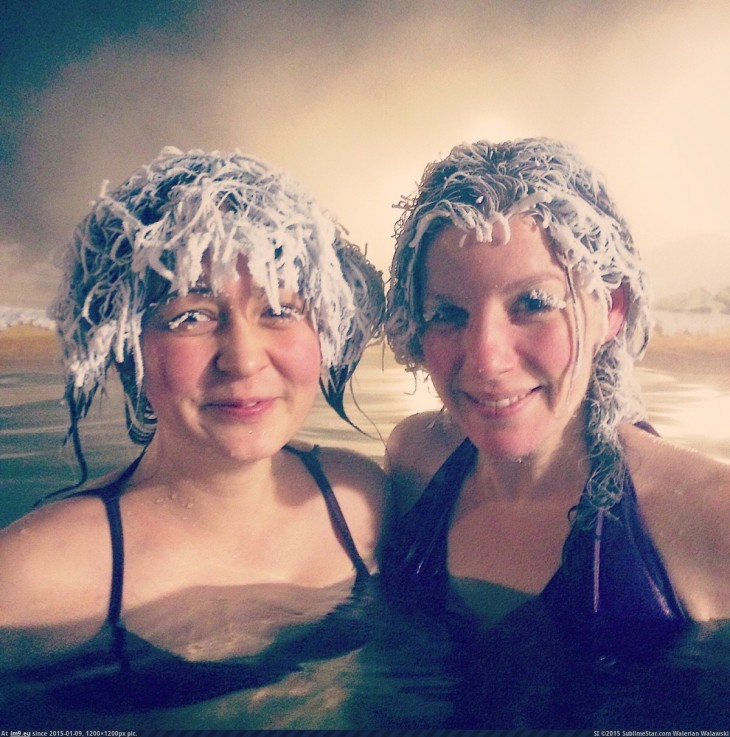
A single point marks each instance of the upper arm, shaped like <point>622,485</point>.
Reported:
<point>401,465</point>
<point>701,528</point>
<point>55,566</point>
<point>684,498</point>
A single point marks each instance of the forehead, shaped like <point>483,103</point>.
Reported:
<point>455,258</point>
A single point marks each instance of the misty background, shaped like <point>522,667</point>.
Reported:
<point>355,98</point>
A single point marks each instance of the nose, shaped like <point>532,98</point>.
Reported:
<point>242,348</point>
<point>489,344</point>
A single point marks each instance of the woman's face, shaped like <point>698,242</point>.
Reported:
<point>226,374</point>
<point>498,339</point>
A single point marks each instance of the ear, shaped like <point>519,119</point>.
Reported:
<point>617,312</point>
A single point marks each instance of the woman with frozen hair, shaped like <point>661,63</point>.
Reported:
<point>224,297</point>
<point>516,286</point>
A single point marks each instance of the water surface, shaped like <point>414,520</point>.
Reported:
<point>403,672</point>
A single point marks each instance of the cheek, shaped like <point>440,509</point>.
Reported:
<point>568,372</point>
<point>171,366</point>
<point>552,348</point>
<point>440,353</point>
<point>300,358</point>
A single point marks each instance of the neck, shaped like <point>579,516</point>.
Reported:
<point>215,478</point>
<point>542,475</point>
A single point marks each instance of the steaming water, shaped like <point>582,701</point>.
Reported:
<point>401,677</point>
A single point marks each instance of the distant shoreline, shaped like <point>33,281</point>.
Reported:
<point>26,348</point>
<point>692,357</point>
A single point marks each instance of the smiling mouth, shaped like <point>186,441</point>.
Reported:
<point>240,407</point>
<point>237,403</point>
<point>496,406</point>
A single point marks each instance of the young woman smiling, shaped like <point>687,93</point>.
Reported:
<point>539,495</point>
<point>224,297</point>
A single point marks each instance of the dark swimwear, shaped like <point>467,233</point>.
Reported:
<point>119,670</point>
<point>110,494</point>
<point>588,651</point>
<point>610,588</point>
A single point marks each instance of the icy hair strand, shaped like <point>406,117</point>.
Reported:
<point>148,238</point>
<point>482,184</point>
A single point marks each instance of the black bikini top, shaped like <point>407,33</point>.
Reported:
<point>110,494</point>
<point>611,582</point>
<point>118,671</point>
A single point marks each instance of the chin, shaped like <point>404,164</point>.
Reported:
<point>250,448</point>
<point>509,456</point>
<point>516,449</point>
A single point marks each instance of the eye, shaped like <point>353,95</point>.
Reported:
<point>192,321</point>
<point>444,316</point>
<point>288,313</point>
<point>191,314</point>
<point>537,302</point>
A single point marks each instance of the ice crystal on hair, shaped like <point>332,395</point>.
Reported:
<point>481,184</point>
<point>189,215</point>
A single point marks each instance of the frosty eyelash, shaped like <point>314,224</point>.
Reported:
<point>428,314</point>
<point>443,314</point>
<point>181,321</point>
<point>547,300</point>
<point>533,303</point>
<point>291,312</point>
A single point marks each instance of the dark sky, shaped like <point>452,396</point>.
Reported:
<point>355,98</point>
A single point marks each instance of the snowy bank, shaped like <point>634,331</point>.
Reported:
<point>693,323</point>
<point>10,316</point>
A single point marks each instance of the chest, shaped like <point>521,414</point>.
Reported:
<point>167,554</point>
<point>518,545</point>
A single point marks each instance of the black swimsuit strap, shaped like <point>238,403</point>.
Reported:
<point>311,461</point>
<point>114,515</point>
<point>110,493</point>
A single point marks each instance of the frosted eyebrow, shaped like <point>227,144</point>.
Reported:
<point>203,291</point>
<point>529,282</point>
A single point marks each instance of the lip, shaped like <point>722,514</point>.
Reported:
<point>499,405</point>
<point>249,408</point>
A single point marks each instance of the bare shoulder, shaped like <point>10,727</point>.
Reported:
<point>361,488</point>
<point>416,449</point>
<point>350,472</point>
<point>354,471</point>
<point>684,498</point>
<point>674,473</point>
<point>55,565</point>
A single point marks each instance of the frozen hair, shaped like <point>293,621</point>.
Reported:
<point>482,184</point>
<point>148,238</point>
